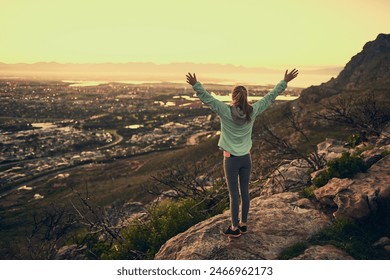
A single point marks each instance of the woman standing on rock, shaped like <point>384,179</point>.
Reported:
<point>236,141</point>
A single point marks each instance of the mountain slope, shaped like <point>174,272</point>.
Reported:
<point>370,67</point>
<point>367,70</point>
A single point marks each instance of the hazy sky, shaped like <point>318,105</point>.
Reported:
<point>246,32</point>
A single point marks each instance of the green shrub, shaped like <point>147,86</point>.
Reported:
<point>341,229</point>
<point>167,219</point>
<point>309,192</point>
<point>344,167</point>
<point>322,178</point>
<point>354,140</point>
<point>95,247</point>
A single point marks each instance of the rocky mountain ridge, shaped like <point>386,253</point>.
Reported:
<point>370,67</point>
<point>367,70</point>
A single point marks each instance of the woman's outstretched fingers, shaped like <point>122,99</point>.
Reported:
<point>191,79</point>
<point>290,76</point>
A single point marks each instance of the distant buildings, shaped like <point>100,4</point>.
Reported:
<point>51,126</point>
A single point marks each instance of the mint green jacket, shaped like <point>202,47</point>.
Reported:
<point>237,138</point>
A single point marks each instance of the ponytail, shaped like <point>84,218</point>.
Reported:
<point>240,99</point>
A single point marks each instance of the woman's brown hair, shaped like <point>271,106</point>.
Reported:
<point>240,99</point>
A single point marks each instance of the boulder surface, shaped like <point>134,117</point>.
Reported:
<point>275,223</point>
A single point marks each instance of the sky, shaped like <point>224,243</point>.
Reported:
<point>251,33</point>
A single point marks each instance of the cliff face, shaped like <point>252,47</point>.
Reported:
<point>356,198</point>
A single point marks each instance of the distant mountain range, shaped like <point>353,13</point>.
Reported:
<point>148,71</point>
<point>147,67</point>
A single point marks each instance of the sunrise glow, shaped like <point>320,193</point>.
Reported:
<point>248,32</point>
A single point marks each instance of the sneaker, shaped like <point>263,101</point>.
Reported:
<point>243,229</point>
<point>232,233</point>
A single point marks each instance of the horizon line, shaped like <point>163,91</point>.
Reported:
<point>274,67</point>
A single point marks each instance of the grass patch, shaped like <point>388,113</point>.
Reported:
<point>293,251</point>
<point>385,153</point>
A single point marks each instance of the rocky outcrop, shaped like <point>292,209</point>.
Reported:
<point>383,243</point>
<point>280,220</point>
<point>331,149</point>
<point>383,247</point>
<point>291,176</point>
<point>370,66</point>
<point>275,223</point>
<point>327,252</point>
<point>375,154</point>
<point>367,70</point>
<point>357,198</point>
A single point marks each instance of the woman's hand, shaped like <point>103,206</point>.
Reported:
<point>191,79</point>
<point>290,76</point>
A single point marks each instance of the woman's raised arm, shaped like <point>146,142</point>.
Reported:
<point>217,106</point>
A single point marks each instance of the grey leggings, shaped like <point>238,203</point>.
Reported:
<point>236,169</point>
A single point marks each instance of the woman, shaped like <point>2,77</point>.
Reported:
<point>236,132</point>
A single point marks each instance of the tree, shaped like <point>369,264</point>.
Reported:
<point>284,147</point>
<point>191,181</point>
<point>50,231</point>
<point>363,114</point>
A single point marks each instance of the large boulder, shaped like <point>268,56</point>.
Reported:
<point>383,246</point>
<point>373,155</point>
<point>275,223</point>
<point>356,198</point>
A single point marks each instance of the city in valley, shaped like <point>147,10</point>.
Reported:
<point>50,131</point>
